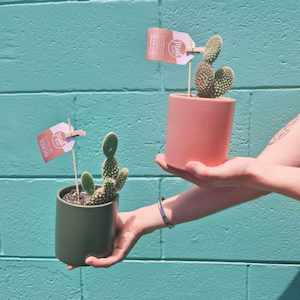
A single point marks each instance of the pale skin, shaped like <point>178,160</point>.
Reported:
<point>238,180</point>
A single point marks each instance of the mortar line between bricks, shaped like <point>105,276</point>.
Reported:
<point>83,91</point>
<point>247,282</point>
<point>81,283</point>
<point>24,2</point>
<point>250,122</point>
<point>166,260</point>
<point>29,177</point>
<point>142,91</point>
<point>161,254</point>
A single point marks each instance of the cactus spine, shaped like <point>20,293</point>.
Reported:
<point>212,84</point>
<point>113,179</point>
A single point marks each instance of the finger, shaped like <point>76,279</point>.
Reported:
<point>197,169</point>
<point>203,172</point>
<point>105,262</point>
<point>70,268</point>
<point>161,161</point>
<point>123,246</point>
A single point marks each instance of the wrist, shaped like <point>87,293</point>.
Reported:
<point>148,219</point>
<point>257,174</point>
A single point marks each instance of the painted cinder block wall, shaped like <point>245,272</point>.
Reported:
<point>86,59</point>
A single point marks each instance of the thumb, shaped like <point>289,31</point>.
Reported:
<point>200,170</point>
<point>197,169</point>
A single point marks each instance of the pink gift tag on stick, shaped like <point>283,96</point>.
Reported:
<point>57,140</point>
<point>169,46</point>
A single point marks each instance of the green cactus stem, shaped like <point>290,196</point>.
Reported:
<point>223,81</point>
<point>98,197</point>
<point>110,145</point>
<point>110,166</point>
<point>204,79</point>
<point>121,179</point>
<point>109,186</point>
<point>87,182</point>
<point>213,48</point>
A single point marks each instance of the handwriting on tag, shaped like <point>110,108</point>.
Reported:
<point>169,46</point>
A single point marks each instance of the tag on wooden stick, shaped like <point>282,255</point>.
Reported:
<point>57,140</point>
<point>169,46</point>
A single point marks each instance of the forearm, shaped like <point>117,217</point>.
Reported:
<point>194,204</point>
<point>197,202</point>
<point>277,178</point>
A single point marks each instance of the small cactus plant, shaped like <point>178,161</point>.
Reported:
<point>211,84</point>
<point>113,179</point>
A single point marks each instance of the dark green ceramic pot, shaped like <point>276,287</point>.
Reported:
<point>82,231</point>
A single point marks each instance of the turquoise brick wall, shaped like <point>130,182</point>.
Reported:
<point>86,58</point>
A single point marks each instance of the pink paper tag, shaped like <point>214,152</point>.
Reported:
<point>169,46</point>
<point>57,140</point>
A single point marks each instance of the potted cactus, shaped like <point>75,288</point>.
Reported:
<point>86,223</point>
<point>199,126</point>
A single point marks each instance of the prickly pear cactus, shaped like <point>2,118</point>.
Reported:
<point>212,84</point>
<point>109,186</point>
<point>204,81</point>
<point>223,81</point>
<point>110,166</point>
<point>121,179</point>
<point>87,182</point>
<point>212,48</point>
<point>97,198</point>
<point>113,179</point>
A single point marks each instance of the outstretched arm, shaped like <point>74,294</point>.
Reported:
<point>199,202</point>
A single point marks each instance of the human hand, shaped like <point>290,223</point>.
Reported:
<point>129,231</point>
<point>160,159</point>
<point>234,172</point>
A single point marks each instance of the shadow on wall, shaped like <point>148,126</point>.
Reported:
<point>292,292</point>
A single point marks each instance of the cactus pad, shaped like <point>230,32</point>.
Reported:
<point>109,186</point>
<point>110,168</point>
<point>223,81</point>
<point>213,48</point>
<point>121,179</point>
<point>204,79</point>
<point>87,182</point>
<point>97,198</point>
<point>110,145</point>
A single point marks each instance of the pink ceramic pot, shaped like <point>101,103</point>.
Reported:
<point>198,129</point>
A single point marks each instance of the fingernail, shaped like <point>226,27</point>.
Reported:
<point>88,260</point>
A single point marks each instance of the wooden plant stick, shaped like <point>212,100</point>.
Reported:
<point>189,77</point>
<point>74,164</point>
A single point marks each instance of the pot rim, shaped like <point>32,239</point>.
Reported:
<point>183,96</point>
<point>59,198</point>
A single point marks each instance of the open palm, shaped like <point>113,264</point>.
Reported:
<point>234,172</point>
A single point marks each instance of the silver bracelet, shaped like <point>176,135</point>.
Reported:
<point>163,214</point>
